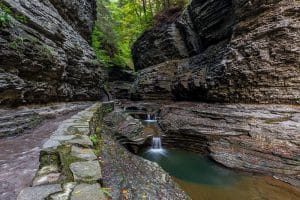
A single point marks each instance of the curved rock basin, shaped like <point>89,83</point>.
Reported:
<point>202,179</point>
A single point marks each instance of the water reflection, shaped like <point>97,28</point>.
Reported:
<point>202,179</point>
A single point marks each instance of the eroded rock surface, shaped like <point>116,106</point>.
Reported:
<point>15,121</point>
<point>131,177</point>
<point>120,82</point>
<point>44,52</point>
<point>259,138</point>
<point>238,51</point>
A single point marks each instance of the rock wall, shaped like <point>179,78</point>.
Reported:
<point>235,51</point>
<point>120,82</point>
<point>257,138</point>
<point>44,53</point>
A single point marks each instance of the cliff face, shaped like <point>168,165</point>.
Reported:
<point>233,51</point>
<point>44,53</point>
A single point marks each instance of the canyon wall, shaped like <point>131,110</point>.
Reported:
<point>223,51</point>
<point>44,52</point>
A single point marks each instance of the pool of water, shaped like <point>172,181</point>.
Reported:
<point>203,179</point>
<point>191,167</point>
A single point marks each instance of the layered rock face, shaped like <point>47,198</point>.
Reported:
<point>259,138</point>
<point>44,53</point>
<point>120,82</point>
<point>158,45</point>
<point>80,14</point>
<point>232,51</point>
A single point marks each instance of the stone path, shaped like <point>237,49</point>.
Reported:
<point>19,155</point>
<point>69,168</point>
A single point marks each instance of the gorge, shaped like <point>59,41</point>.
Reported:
<point>210,110</point>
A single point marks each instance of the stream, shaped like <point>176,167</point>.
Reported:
<point>203,179</point>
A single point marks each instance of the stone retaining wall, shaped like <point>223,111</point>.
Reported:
<point>69,166</point>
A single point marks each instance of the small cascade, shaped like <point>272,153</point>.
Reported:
<point>156,146</point>
<point>156,143</point>
<point>151,118</point>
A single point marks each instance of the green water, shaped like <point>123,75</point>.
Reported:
<point>202,179</point>
<point>192,167</point>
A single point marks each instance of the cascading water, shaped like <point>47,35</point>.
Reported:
<point>156,146</point>
<point>151,118</point>
<point>156,143</point>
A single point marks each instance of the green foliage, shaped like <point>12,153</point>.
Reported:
<point>4,19</point>
<point>17,43</point>
<point>7,11</point>
<point>120,23</point>
<point>94,138</point>
<point>106,191</point>
<point>44,51</point>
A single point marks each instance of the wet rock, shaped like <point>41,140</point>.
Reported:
<point>86,171</point>
<point>87,192</point>
<point>125,128</point>
<point>83,153</point>
<point>258,138</point>
<point>39,192</point>
<point>132,177</point>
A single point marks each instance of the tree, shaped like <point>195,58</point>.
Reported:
<point>120,22</point>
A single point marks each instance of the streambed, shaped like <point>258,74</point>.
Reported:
<point>202,179</point>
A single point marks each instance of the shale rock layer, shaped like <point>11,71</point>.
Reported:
<point>225,51</point>
<point>44,52</point>
<point>259,138</point>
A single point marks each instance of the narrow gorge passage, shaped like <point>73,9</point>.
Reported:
<point>149,99</point>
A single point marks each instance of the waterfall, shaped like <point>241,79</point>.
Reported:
<point>151,118</point>
<point>156,146</point>
<point>156,143</point>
